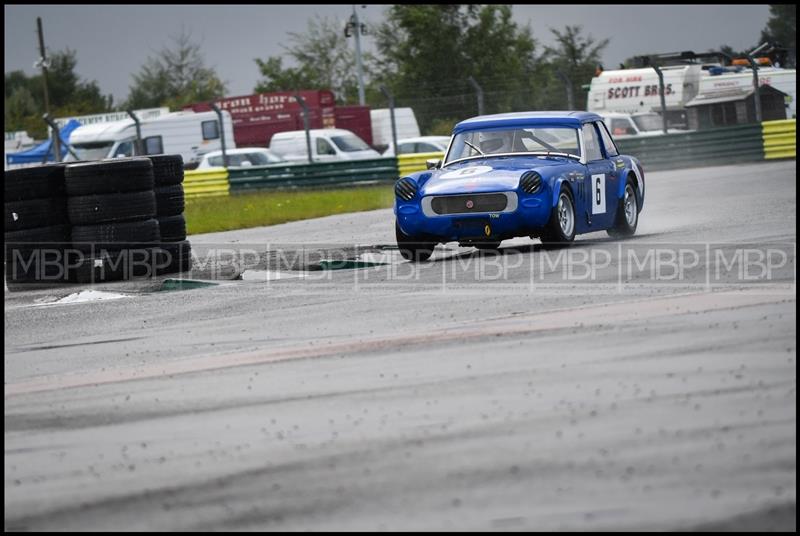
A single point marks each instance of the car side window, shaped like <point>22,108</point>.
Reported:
<point>323,147</point>
<point>591,143</point>
<point>124,149</point>
<point>427,148</point>
<point>405,148</point>
<point>608,143</point>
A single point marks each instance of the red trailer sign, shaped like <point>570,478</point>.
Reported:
<point>257,117</point>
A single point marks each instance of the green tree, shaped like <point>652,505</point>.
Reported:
<point>572,62</point>
<point>325,60</point>
<point>781,30</point>
<point>427,53</point>
<point>175,77</point>
<point>68,95</point>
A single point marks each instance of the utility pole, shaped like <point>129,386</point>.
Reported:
<point>44,63</point>
<point>358,29</point>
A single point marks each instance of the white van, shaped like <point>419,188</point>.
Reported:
<point>635,125</point>
<point>188,134</point>
<point>327,145</point>
<point>405,124</point>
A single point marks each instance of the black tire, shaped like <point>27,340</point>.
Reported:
<point>109,176</point>
<point>34,182</point>
<point>622,225</point>
<point>26,240</point>
<point>167,169</point>
<point>33,213</point>
<point>413,249</point>
<point>555,233</point>
<point>170,200</point>
<point>172,228</point>
<point>121,235</point>
<point>175,257</point>
<point>92,209</point>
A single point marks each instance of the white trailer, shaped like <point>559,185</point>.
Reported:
<point>188,134</point>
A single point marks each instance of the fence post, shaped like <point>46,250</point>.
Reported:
<point>55,129</point>
<point>389,96</point>
<point>478,92</point>
<point>221,133</point>
<point>139,148</point>
<point>661,95</point>
<point>302,102</point>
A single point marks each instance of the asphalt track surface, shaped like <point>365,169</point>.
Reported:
<point>476,391</point>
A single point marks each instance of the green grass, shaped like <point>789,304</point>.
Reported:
<point>240,211</point>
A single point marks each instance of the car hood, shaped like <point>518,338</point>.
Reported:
<point>486,174</point>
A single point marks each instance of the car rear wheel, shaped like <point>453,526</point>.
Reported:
<point>411,248</point>
<point>560,230</point>
<point>627,213</point>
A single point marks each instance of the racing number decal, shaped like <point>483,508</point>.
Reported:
<point>599,193</point>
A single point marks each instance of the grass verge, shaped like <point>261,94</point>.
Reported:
<point>208,215</point>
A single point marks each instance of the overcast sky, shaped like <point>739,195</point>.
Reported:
<point>113,41</point>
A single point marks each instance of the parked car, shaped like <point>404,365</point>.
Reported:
<point>551,175</point>
<point>327,145</point>
<point>623,125</point>
<point>420,144</point>
<point>244,157</point>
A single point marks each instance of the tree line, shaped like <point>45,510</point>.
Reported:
<point>425,55</point>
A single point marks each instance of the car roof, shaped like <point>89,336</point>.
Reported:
<point>425,138</point>
<point>542,119</point>
<point>313,132</point>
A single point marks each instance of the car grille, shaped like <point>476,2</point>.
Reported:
<point>466,204</point>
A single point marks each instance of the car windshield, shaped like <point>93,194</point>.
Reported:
<point>91,151</point>
<point>514,140</point>
<point>648,122</point>
<point>349,144</point>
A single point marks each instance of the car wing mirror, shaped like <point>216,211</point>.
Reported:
<point>433,163</point>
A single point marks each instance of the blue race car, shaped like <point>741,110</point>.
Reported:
<point>550,175</point>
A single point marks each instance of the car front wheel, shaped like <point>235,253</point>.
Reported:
<point>411,248</point>
<point>561,227</point>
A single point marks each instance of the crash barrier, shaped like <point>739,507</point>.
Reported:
<point>409,163</point>
<point>711,147</point>
<point>92,222</point>
<point>206,182</point>
<point>780,138</point>
<point>312,175</point>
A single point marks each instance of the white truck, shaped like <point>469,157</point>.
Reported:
<point>405,124</point>
<point>741,78</point>
<point>631,91</point>
<point>188,134</point>
<point>327,145</point>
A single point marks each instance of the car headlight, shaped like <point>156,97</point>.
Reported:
<point>405,189</point>
<point>530,182</point>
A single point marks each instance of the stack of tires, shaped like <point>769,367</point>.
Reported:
<point>112,208</point>
<point>37,232</point>
<point>176,253</point>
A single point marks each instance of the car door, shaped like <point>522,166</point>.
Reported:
<point>602,181</point>
<point>325,151</point>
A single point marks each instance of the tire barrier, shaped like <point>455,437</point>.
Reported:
<point>37,233</point>
<point>411,163</point>
<point>174,251</point>
<point>89,222</point>
<point>780,139</point>
<point>206,183</point>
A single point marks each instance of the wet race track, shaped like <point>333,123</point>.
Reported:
<point>588,388</point>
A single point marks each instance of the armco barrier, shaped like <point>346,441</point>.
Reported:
<point>711,147</point>
<point>780,138</point>
<point>308,175</point>
<point>206,183</point>
<point>409,163</point>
